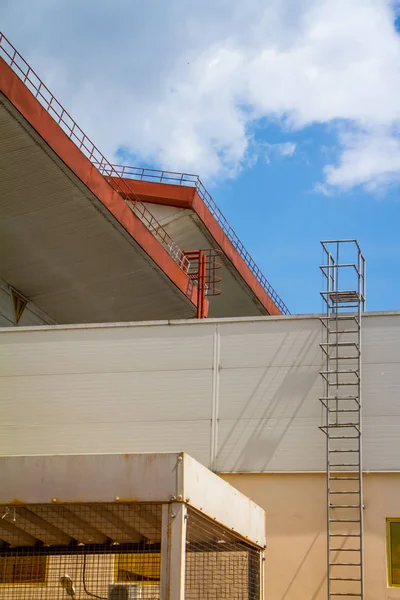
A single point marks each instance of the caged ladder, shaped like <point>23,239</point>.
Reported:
<point>344,297</point>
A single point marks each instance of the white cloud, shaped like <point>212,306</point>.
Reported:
<point>369,158</point>
<point>180,83</point>
<point>285,149</point>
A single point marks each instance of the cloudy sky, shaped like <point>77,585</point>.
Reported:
<point>289,110</point>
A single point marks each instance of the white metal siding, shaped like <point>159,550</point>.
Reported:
<point>238,395</point>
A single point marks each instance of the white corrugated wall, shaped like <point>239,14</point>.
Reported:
<point>239,395</point>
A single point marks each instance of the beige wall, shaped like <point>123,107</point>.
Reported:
<point>296,554</point>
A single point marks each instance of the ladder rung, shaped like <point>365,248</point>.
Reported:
<point>344,478</point>
<point>347,492</point>
<point>343,357</point>
<point>344,506</point>
<point>344,520</point>
<point>359,595</point>
<point>339,372</point>
<point>333,406</point>
<point>355,535</point>
<point>345,564</point>
<point>339,425</point>
<point>342,410</point>
<point>339,398</point>
<point>344,550</point>
<point>342,451</point>
<point>344,437</point>
<point>344,578</point>
<point>339,344</point>
<point>343,465</point>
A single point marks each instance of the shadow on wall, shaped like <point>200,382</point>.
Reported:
<point>293,585</point>
<point>276,398</point>
<point>295,504</point>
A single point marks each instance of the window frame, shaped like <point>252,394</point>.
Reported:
<point>117,566</point>
<point>389,521</point>
<point>45,557</point>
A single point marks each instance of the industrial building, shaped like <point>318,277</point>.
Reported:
<point>133,320</point>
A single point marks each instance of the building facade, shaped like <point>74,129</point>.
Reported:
<point>239,395</point>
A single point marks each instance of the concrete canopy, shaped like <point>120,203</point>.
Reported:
<point>68,242</point>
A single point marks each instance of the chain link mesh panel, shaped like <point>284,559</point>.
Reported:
<point>219,565</point>
<point>80,551</point>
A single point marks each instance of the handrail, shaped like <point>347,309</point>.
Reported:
<point>191,180</point>
<point>118,172</point>
<point>42,93</point>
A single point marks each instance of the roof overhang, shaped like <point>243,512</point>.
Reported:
<point>238,279</point>
<point>132,478</point>
<point>49,187</point>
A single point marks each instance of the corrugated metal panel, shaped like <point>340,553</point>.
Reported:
<point>272,392</point>
<point>107,350</point>
<point>270,445</point>
<point>81,438</point>
<point>238,395</point>
<point>266,343</point>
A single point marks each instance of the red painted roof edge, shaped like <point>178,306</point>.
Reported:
<point>31,109</point>
<point>227,247</point>
<point>187,197</point>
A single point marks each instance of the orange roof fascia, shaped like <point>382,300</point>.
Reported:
<point>36,115</point>
<point>227,247</point>
<point>179,196</point>
<point>187,197</point>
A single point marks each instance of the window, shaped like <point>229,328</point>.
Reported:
<point>143,567</point>
<point>393,539</point>
<point>22,570</point>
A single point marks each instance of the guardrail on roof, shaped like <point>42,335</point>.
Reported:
<point>33,82</point>
<point>42,93</point>
<point>191,180</point>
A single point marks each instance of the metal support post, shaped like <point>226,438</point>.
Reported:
<point>173,551</point>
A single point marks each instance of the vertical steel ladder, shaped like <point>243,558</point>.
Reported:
<point>344,297</point>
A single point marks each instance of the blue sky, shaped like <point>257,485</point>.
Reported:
<point>277,211</point>
<point>287,109</point>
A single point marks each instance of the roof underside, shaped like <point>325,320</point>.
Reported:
<point>59,245</point>
<point>55,525</point>
<point>186,228</point>
<point>186,217</point>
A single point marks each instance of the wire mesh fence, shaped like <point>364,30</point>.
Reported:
<point>80,551</point>
<point>113,552</point>
<point>219,565</point>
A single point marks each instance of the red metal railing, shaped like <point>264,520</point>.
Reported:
<point>118,172</point>
<point>33,82</point>
<point>191,180</point>
<point>213,269</point>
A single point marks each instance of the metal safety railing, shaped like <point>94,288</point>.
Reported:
<point>191,180</point>
<point>42,93</point>
<point>118,172</point>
